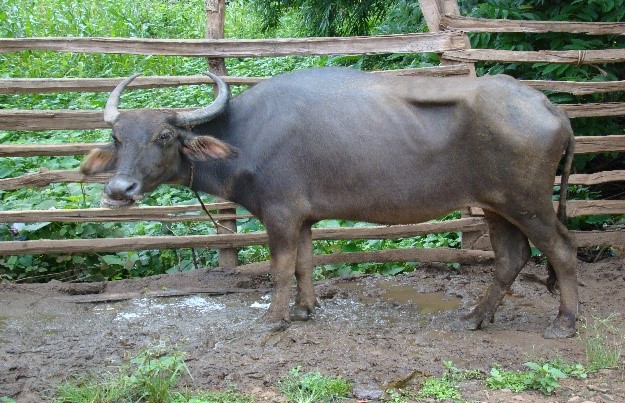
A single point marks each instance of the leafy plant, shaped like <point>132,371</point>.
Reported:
<point>313,387</point>
<point>543,377</point>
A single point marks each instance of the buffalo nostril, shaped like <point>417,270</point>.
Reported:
<point>132,189</point>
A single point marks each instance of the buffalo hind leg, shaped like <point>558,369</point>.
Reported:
<point>553,239</point>
<point>512,251</point>
<point>305,300</point>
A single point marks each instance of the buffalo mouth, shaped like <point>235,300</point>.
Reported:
<point>112,203</point>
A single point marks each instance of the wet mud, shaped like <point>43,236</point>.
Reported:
<point>377,332</point>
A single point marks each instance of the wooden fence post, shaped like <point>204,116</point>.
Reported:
<point>215,16</point>
<point>228,257</point>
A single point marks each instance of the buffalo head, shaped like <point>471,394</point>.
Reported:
<point>151,147</point>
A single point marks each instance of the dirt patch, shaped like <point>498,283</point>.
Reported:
<point>373,331</point>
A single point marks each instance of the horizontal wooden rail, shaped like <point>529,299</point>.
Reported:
<point>45,85</point>
<point>361,45</point>
<point>592,109</point>
<point>599,144</point>
<point>48,150</point>
<point>35,120</point>
<point>229,240</point>
<point>596,178</point>
<point>469,24</point>
<point>579,208</point>
<point>575,208</point>
<point>140,213</point>
<point>108,245</point>
<point>576,87</point>
<point>539,56</point>
<point>46,177</point>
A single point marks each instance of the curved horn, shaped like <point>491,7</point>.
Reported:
<point>215,108</point>
<point>110,110</point>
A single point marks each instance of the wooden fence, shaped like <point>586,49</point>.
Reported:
<point>446,37</point>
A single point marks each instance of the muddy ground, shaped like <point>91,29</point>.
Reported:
<point>373,331</point>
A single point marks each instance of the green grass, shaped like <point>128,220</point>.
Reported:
<point>313,387</point>
<point>603,341</point>
<point>152,376</point>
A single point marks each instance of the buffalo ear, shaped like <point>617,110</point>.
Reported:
<point>201,148</point>
<point>99,160</point>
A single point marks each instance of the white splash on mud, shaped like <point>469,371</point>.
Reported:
<point>262,305</point>
<point>144,307</point>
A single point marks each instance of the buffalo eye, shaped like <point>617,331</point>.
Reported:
<point>165,135</point>
<point>115,139</point>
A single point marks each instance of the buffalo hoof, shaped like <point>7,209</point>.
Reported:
<point>301,313</point>
<point>560,328</point>
<point>474,319</point>
<point>267,333</point>
<point>468,322</point>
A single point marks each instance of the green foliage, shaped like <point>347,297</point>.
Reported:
<point>313,387</point>
<point>324,18</point>
<point>603,341</point>
<point>447,239</point>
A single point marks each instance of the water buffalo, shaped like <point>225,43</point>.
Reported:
<point>339,143</point>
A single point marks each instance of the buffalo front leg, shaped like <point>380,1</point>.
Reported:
<point>283,251</point>
<point>305,300</point>
<point>512,251</point>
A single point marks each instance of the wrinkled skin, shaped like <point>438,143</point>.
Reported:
<point>338,143</point>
